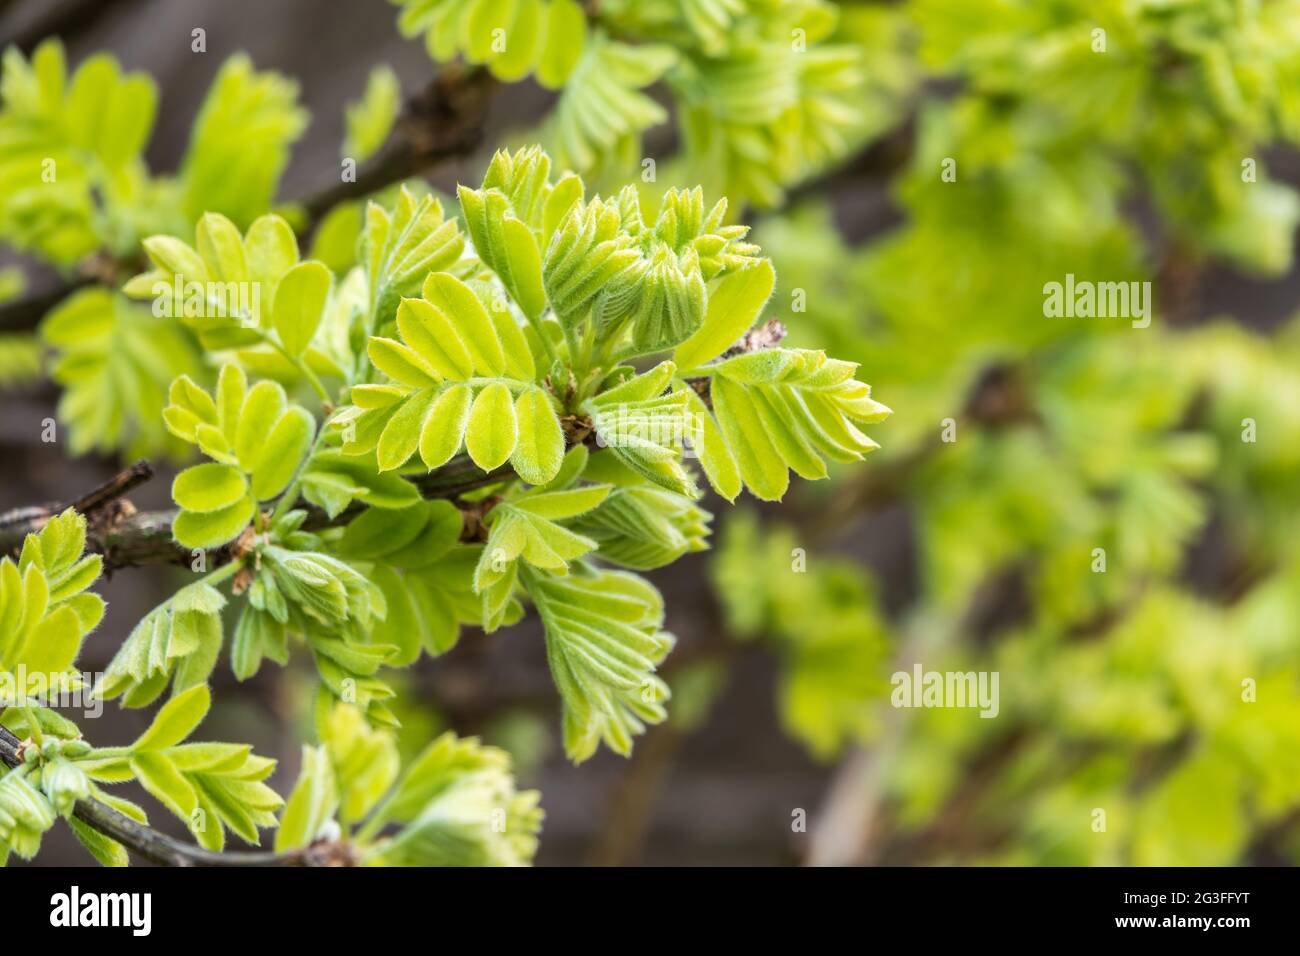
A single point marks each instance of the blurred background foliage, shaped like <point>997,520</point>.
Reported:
<point>918,171</point>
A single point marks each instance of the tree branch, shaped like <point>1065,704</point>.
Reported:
<point>148,844</point>
<point>34,517</point>
<point>444,121</point>
<point>130,538</point>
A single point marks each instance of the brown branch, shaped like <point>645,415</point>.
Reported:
<point>130,538</point>
<point>444,121</point>
<point>103,506</point>
<point>116,487</point>
<point>148,844</point>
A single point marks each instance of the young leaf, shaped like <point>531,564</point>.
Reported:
<point>540,448</point>
<point>176,720</point>
<point>444,426</point>
<point>492,430</point>
<point>214,528</point>
<point>158,775</point>
<point>300,300</point>
<point>311,803</point>
<point>603,643</point>
<point>733,307</point>
<point>209,487</point>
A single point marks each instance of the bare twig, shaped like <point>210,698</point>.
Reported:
<point>103,505</point>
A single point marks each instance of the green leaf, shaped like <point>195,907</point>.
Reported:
<point>369,120</point>
<point>221,247</point>
<point>782,409</point>
<point>433,337</point>
<point>559,505</point>
<point>401,364</point>
<point>527,528</point>
<point>209,487</point>
<point>760,465</point>
<point>645,527</point>
<point>300,300</point>
<point>492,430</point>
<point>646,429</point>
<point>603,643</point>
<point>158,775</point>
<point>364,760</point>
<point>333,479</point>
<point>402,433</point>
<point>311,803</point>
<point>540,448</point>
<point>25,814</point>
<point>240,142</point>
<point>565,34</point>
<point>733,307</point>
<point>603,104</point>
<point>401,248</point>
<point>176,720</point>
<point>711,448</point>
<point>284,451</point>
<point>106,851</point>
<point>115,362</point>
<point>465,311</point>
<point>525,264</point>
<point>213,529</point>
<point>444,426</point>
<point>261,410</point>
<point>271,248</point>
<point>53,643</point>
<point>209,757</point>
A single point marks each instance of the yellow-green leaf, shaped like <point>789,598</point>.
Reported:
<point>400,363</point>
<point>444,426</point>
<point>402,433</point>
<point>540,447</point>
<point>176,719</point>
<point>285,447</point>
<point>432,335</point>
<point>458,302</point>
<point>492,430</point>
<point>209,487</point>
<point>211,530</point>
<point>300,303</point>
<point>734,305</point>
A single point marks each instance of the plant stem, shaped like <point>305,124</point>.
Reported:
<point>148,844</point>
<point>300,364</point>
<point>290,496</point>
<point>33,725</point>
